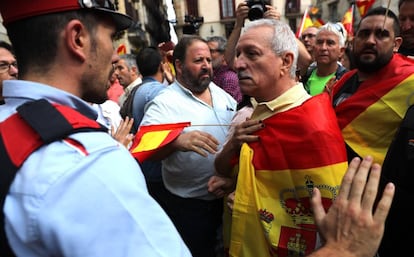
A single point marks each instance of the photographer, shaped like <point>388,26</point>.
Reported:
<point>242,13</point>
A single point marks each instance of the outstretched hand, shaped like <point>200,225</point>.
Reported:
<point>352,227</point>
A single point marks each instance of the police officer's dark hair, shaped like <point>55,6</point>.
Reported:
<point>35,39</point>
<point>381,11</point>
<point>180,49</point>
<point>148,61</point>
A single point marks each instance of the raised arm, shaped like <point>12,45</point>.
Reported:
<point>352,226</point>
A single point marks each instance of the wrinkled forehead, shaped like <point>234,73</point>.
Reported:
<point>197,47</point>
<point>311,30</point>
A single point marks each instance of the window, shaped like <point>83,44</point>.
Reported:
<point>227,9</point>
<point>333,11</point>
<point>292,6</point>
<point>192,7</point>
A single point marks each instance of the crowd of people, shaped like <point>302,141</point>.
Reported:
<point>294,146</point>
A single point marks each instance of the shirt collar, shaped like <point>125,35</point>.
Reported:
<point>293,97</point>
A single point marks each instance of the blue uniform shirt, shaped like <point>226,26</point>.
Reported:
<point>64,202</point>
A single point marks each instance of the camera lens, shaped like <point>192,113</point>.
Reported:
<point>255,12</point>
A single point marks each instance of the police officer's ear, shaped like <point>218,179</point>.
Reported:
<point>397,43</point>
<point>76,37</point>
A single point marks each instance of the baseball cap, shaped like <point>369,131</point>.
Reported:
<point>15,10</point>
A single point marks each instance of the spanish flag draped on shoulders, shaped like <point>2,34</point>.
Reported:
<point>370,116</point>
<point>299,149</point>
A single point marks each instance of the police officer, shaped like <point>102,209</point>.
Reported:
<point>83,195</point>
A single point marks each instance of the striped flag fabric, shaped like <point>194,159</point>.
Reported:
<point>348,21</point>
<point>298,150</point>
<point>151,138</point>
<point>306,22</point>
<point>363,6</point>
<point>370,117</point>
<point>318,23</point>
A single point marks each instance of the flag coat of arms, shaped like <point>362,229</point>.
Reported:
<point>298,150</point>
<point>370,117</point>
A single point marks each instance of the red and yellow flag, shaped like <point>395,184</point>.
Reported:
<point>121,50</point>
<point>298,150</point>
<point>363,6</point>
<point>370,117</point>
<point>314,10</point>
<point>348,21</point>
<point>318,23</point>
<point>306,22</point>
<point>151,138</point>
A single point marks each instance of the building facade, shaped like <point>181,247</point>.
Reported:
<point>159,21</point>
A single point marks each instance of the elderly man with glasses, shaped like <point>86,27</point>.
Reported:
<point>8,66</point>
<point>308,38</point>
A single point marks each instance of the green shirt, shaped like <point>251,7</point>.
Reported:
<point>317,84</point>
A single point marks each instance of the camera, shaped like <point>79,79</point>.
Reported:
<point>193,24</point>
<point>256,9</point>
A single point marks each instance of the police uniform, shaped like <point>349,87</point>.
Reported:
<point>83,195</point>
<point>82,201</point>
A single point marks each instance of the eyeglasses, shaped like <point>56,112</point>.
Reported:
<point>308,35</point>
<point>107,4</point>
<point>5,66</point>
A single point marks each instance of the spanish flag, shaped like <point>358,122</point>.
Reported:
<point>363,6</point>
<point>370,117</point>
<point>318,23</point>
<point>306,22</point>
<point>151,138</point>
<point>121,50</point>
<point>348,21</point>
<point>298,150</point>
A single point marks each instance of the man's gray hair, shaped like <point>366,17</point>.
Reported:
<point>221,42</point>
<point>281,41</point>
<point>130,60</point>
<point>336,28</point>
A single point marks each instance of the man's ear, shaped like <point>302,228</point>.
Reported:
<point>178,66</point>
<point>287,59</point>
<point>397,43</point>
<point>341,52</point>
<point>135,69</point>
<point>77,38</point>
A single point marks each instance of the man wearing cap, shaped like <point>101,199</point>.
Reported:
<point>79,194</point>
